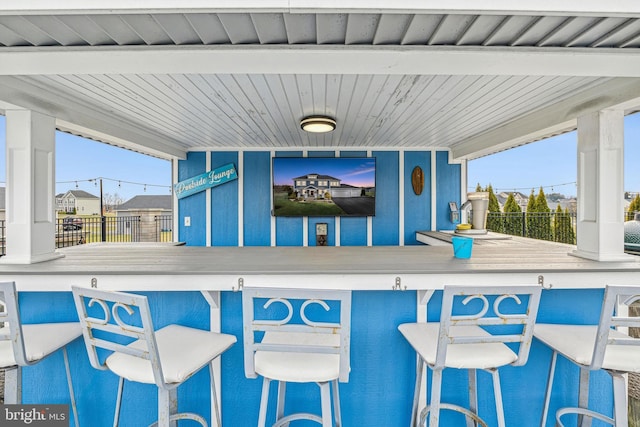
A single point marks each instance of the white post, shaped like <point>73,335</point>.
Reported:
<point>600,228</point>
<point>31,223</point>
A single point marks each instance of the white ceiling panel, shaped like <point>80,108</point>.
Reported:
<point>426,92</point>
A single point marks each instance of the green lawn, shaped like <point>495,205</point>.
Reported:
<point>282,206</point>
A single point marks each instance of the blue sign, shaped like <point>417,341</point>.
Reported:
<point>209,179</point>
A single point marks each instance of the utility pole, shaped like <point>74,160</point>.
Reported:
<point>103,219</point>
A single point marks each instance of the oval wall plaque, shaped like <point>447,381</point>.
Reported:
<point>417,180</point>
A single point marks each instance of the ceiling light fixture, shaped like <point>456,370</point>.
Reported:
<point>318,124</point>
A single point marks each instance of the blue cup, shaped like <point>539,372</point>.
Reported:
<point>462,247</point>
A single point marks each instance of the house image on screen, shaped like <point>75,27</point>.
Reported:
<point>316,186</point>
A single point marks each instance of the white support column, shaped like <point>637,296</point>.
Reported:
<point>31,222</point>
<point>600,231</point>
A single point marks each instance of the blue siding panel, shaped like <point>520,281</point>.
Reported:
<point>224,204</point>
<point>193,206</point>
<point>447,190</point>
<point>417,208</point>
<point>380,388</point>
<point>386,221</point>
<point>257,198</point>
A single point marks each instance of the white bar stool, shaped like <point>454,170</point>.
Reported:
<point>594,347</point>
<point>166,357</point>
<point>24,345</point>
<point>460,341</point>
<point>307,351</point>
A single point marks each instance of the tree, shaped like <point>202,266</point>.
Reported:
<point>111,201</point>
<point>634,206</point>
<point>545,231</point>
<point>512,216</point>
<point>563,231</point>
<point>531,216</point>
<point>495,221</point>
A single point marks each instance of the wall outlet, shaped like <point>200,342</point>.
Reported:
<point>187,221</point>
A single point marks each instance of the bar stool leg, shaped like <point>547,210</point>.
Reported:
<point>497,391</point>
<point>116,416</point>
<point>264,400</point>
<point>416,393</point>
<point>72,395</point>
<point>167,405</point>
<point>214,397</point>
<point>473,396</point>
<point>583,396</point>
<point>282,391</point>
<point>13,385</point>
<point>620,400</point>
<point>547,395</point>
<point>336,404</point>
<point>434,402</point>
<point>325,399</point>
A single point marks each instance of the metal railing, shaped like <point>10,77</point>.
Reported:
<point>163,227</point>
<point>552,226</point>
<point>97,229</point>
<point>71,231</point>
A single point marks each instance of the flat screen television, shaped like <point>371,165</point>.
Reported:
<point>324,186</point>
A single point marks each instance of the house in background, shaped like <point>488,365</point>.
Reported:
<point>154,212</point>
<point>78,202</point>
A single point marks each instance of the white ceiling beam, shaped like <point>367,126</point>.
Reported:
<point>560,117</point>
<point>507,7</point>
<point>380,60</point>
<point>83,119</point>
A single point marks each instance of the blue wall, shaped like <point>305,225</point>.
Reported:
<point>380,388</point>
<point>256,199</point>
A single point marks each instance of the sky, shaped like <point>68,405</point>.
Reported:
<point>82,162</point>
<point>359,172</point>
<point>550,164</point>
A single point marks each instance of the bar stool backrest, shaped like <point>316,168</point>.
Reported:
<point>254,325</point>
<point>615,296</point>
<point>10,318</point>
<point>103,327</point>
<point>523,310</point>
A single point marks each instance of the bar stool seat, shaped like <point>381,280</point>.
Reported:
<point>177,364</point>
<point>298,367</point>
<point>422,336</point>
<point>40,340</point>
<point>576,343</point>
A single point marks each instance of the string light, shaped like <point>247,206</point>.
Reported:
<point>119,181</point>
<point>514,189</point>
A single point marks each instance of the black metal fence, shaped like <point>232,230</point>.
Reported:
<point>163,226</point>
<point>71,231</point>
<point>552,226</point>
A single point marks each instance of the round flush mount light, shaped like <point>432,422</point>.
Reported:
<point>318,124</point>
